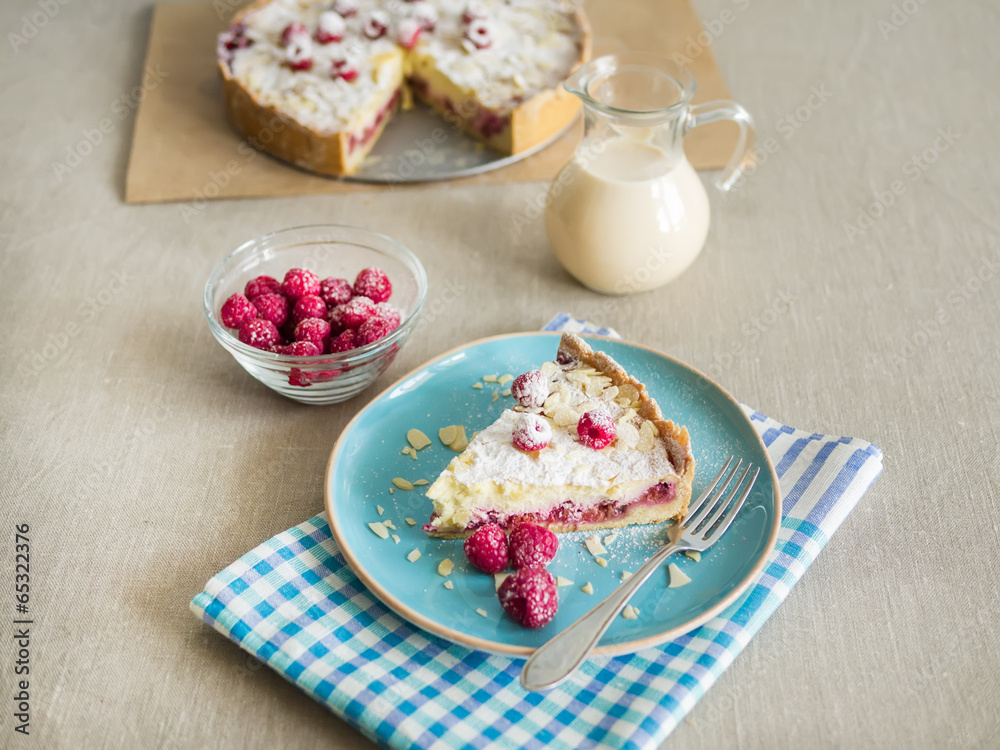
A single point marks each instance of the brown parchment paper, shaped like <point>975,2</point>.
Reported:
<point>184,149</point>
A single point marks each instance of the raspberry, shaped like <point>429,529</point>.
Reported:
<point>309,306</point>
<point>480,33</point>
<point>259,333</point>
<point>373,284</point>
<point>299,349</point>
<point>330,28</point>
<point>531,546</point>
<point>346,8</point>
<point>390,313</point>
<point>262,285</point>
<point>529,596</point>
<point>531,432</point>
<point>487,548</point>
<point>530,388</point>
<point>335,291</point>
<point>237,310</point>
<point>373,329</point>
<point>376,24</point>
<point>356,312</point>
<point>345,71</point>
<point>273,307</point>
<point>409,32</point>
<point>298,283</point>
<point>342,343</point>
<point>336,318</point>
<point>596,429</point>
<point>315,330</point>
<point>293,31</point>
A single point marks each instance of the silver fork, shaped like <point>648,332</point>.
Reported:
<point>559,657</point>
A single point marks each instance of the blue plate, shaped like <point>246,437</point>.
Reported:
<point>367,457</point>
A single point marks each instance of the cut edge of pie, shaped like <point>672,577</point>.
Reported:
<point>656,503</point>
<point>530,123</point>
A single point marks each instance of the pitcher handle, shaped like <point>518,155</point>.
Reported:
<point>702,114</point>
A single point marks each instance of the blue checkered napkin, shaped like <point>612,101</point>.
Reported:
<point>294,604</point>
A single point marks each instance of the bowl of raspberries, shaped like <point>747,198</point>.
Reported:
<point>316,313</point>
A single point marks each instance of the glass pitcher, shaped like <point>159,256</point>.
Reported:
<point>628,213</point>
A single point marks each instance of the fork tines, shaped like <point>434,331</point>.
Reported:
<point>707,511</point>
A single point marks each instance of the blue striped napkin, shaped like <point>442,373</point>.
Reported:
<point>294,604</point>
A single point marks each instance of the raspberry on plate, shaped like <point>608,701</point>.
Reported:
<point>530,597</point>
<point>335,291</point>
<point>530,388</point>
<point>531,432</point>
<point>487,548</point>
<point>273,307</point>
<point>260,334</point>
<point>309,306</point>
<point>356,312</point>
<point>596,429</point>
<point>237,310</point>
<point>299,282</point>
<point>373,284</point>
<point>262,285</point>
<point>315,330</point>
<point>531,545</point>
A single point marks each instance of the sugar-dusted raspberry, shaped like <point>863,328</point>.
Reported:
<point>425,14</point>
<point>356,312</point>
<point>330,27</point>
<point>530,597</point>
<point>343,342</point>
<point>300,349</point>
<point>335,291</point>
<point>298,283</point>
<point>336,317</point>
<point>531,432</point>
<point>293,32</point>
<point>487,548</point>
<point>473,10</point>
<point>309,306</point>
<point>390,313</point>
<point>375,328</point>
<point>237,310</point>
<point>596,429</point>
<point>531,545</point>
<point>260,333</point>
<point>373,284</point>
<point>315,330</point>
<point>530,388</point>
<point>273,307</point>
<point>346,8</point>
<point>376,24</point>
<point>480,33</point>
<point>262,285</point>
<point>408,32</point>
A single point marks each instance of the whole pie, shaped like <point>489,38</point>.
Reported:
<point>586,447</point>
<point>314,82</point>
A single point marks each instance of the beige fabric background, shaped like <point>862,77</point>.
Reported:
<point>145,459</point>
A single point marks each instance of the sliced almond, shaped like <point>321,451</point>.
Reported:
<point>647,437</point>
<point>560,581</point>
<point>594,545</point>
<point>449,585</point>
<point>549,369</point>
<point>628,435</point>
<point>379,509</point>
<point>677,577</point>
<point>610,538</point>
<point>448,434</point>
<point>482,612</point>
<point>389,525</point>
<point>461,442</point>
<point>411,521</point>
<point>403,484</point>
<point>420,482</point>
<point>380,530</point>
<point>395,538</point>
<point>417,439</point>
<point>626,574</point>
<point>587,588</point>
<point>499,578</point>
<point>478,386</point>
<point>693,554</point>
<point>601,561</point>
<point>490,378</point>
<point>445,567</point>
<point>392,490</point>
<point>629,612</point>
<point>504,379</point>
<point>505,392</point>
<point>495,397</point>
<point>413,555</point>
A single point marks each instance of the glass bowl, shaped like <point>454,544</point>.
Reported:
<point>326,250</point>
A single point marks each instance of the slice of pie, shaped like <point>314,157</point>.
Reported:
<point>610,459</point>
<point>314,82</point>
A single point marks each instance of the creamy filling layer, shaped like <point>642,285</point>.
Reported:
<point>586,507</point>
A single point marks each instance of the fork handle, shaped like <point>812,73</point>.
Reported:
<point>560,656</point>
